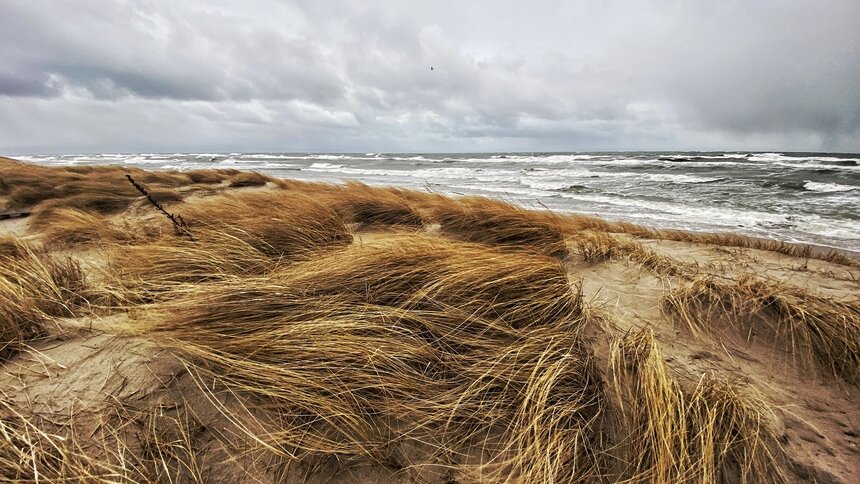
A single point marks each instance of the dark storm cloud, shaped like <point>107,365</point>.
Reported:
<point>268,75</point>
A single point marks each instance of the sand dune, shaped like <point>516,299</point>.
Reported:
<point>305,332</point>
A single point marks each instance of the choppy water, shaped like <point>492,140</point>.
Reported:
<point>801,197</point>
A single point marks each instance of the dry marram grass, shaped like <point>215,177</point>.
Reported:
<point>459,355</point>
<point>814,328</point>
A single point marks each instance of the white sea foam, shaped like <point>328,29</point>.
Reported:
<point>828,187</point>
<point>325,166</point>
<point>545,185</point>
<point>263,156</point>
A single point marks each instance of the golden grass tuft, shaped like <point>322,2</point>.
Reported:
<point>242,234</point>
<point>652,421</point>
<point>67,226</point>
<point>813,328</point>
<point>34,287</point>
<point>148,272</point>
<point>483,399</point>
<point>421,272</point>
<point>249,179</point>
<point>594,247</point>
<point>716,432</point>
<point>469,353</point>
<point>370,207</point>
<point>736,240</point>
<point>11,247</point>
<point>278,224</point>
<point>152,445</point>
<point>493,222</point>
<point>100,189</point>
<point>208,177</point>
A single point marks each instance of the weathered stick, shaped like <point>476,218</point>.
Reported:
<point>178,224</point>
<point>4,216</point>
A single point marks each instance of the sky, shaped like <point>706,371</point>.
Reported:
<point>95,76</point>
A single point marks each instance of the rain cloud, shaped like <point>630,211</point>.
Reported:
<point>146,75</point>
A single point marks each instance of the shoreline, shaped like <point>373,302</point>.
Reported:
<point>816,249</point>
<point>723,193</point>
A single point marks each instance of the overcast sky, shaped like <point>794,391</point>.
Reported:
<point>165,76</point>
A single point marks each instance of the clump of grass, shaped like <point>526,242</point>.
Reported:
<point>733,436</point>
<point>597,247</point>
<point>105,204</point>
<point>23,197</point>
<point>600,246</point>
<point>66,226</point>
<point>277,224</point>
<point>488,400</point>
<point>242,234</point>
<point>35,287</point>
<point>472,352</point>
<point>99,189</point>
<point>650,406</point>
<point>374,207</point>
<point>166,195</point>
<point>715,432</point>
<point>422,272</point>
<point>493,222</point>
<point>812,327</point>
<point>248,179</point>
<point>11,247</point>
<point>210,177</point>
<point>148,272</point>
<point>736,240</point>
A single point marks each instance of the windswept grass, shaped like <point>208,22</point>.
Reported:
<point>374,207</point>
<point>30,454</point>
<point>596,247</point>
<point>11,247</point>
<point>277,224</point>
<point>67,226</point>
<point>153,445</point>
<point>715,432</point>
<point>35,287</point>
<point>490,402</point>
<point>421,272</point>
<point>153,271</point>
<point>249,179</point>
<point>99,189</point>
<point>736,240</point>
<point>493,222</point>
<point>463,355</point>
<point>239,235</point>
<point>652,421</point>
<point>813,328</point>
<point>210,176</point>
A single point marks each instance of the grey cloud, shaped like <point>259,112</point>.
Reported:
<point>270,75</point>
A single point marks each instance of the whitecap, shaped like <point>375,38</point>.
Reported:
<point>828,187</point>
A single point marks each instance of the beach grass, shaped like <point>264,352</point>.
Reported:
<point>308,330</point>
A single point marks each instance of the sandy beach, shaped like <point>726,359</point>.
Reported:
<point>229,326</point>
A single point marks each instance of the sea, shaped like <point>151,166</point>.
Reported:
<point>797,197</point>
